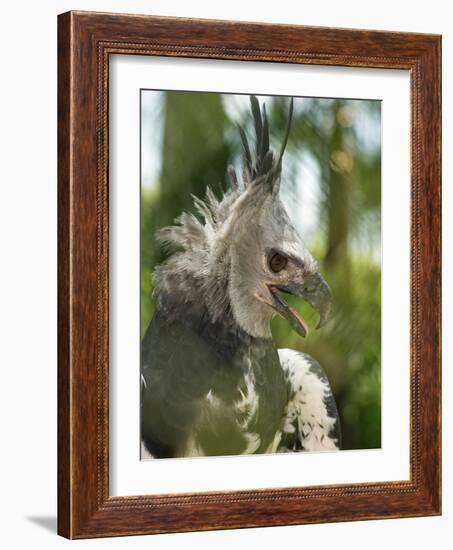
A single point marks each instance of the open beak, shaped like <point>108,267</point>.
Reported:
<point>315,291</point>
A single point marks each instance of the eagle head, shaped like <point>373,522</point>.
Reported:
<point>247,253</point>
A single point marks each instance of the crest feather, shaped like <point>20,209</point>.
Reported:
<point>189,233</point>
<point>263,167</point>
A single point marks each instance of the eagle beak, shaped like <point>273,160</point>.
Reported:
<point>315,291</point>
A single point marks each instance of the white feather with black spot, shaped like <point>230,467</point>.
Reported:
<point>308,415</point>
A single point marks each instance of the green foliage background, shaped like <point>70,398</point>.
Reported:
<point>335,145</point>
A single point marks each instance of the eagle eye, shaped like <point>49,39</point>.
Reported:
<point>277,262</point>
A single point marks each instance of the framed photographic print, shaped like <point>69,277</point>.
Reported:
<point>249,275</point>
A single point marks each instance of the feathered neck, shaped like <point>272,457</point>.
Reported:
<point>202,278</point>
<point>194,279</point>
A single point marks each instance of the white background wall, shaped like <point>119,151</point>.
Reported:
<point>28,268</point>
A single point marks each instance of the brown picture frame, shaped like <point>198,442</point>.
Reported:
<point>85,42</point>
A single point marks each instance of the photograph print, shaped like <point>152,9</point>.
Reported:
<point>260,251</point>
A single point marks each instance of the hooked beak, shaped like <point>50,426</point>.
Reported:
<point>315,291</point>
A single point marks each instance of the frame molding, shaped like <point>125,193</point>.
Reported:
<point>85,42</point>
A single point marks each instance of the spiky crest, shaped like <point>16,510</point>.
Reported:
<point>189,233</point>
<point>265,167</point>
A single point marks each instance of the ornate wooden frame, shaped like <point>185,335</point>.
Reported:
<point>85,41</point>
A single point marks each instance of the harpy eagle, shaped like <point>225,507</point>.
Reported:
<point>212,381</point>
